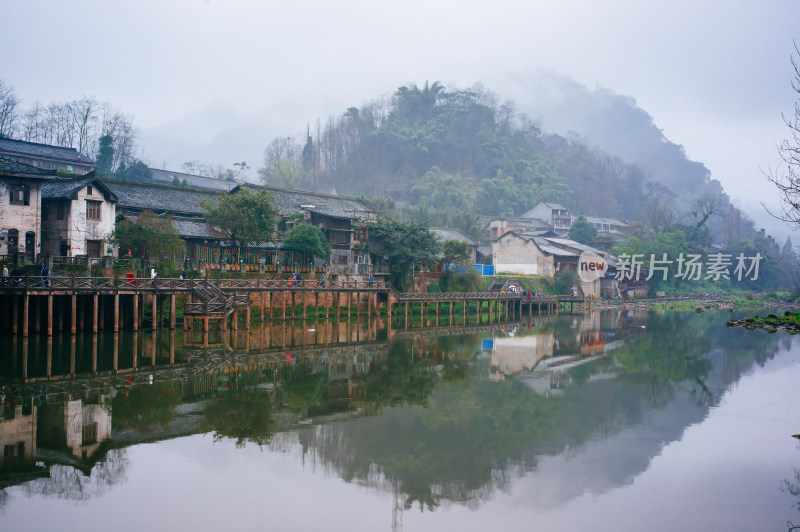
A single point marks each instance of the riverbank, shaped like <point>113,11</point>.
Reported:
<point>789,321</point>
<point>698,303</point>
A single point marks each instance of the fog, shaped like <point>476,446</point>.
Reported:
<point>216,81</point>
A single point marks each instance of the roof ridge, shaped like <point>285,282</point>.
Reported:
<point>321,194</point>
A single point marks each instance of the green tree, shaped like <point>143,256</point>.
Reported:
<point>307,239</point>
<point>150,236</point>
<point>455,252</point>
<point>136,171</point>
<point>105,156</point>
<point>244,217</point>
<point>407,246</point>
<point>582,231</point>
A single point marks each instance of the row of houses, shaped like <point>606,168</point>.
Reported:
<point>45,214</point>
<point>49,214</point>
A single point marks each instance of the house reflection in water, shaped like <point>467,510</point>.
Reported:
<point>74,427</point>
<point>17,435</point>
<point>542,357</point>
<point>64,432</point>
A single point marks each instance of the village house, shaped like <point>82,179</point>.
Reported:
<point>497,227</point>
<point>20,210</point>
<point>444,234</point>
<point>556,216</point>
<point>530,254</point>
<point>46,156</point>
<point>606,225</point>
<point>342,220</point>
<point>181,204</point>
<point>77,218</point>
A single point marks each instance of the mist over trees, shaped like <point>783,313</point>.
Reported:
<point>75,124</point>
<point>447,155</point>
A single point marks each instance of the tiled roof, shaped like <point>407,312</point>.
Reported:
<point>293,201</point>
<point>195,228</point>
<point>47,151</point>
<point>516,221</point>
<point>63,189</point>
<point>566,242</point>
<point>549,248</point>
<point>448,233</point>
<point>601,220</point>
<point>68,188</point>
<point>158,198</point>
<point>9,167</point>
<point>186,227</point>
<point>194,181</point>
<point>164,198</point>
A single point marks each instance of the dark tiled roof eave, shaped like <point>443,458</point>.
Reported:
<point>14,168</point>
<point>45,151</point>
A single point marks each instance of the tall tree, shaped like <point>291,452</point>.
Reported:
<point>787,176</point>
<point>105,156</point>
<point>246,218</point>
<point>9,114</point>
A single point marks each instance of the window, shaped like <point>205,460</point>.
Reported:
<point>93,210</point>
<point>20,194</point>
<point>89,190</point>
<point>60,213</point>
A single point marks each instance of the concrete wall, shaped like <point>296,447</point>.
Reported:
<point>516,255</point>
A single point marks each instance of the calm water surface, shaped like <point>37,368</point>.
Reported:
<point>602,421</point>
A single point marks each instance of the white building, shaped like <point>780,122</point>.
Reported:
<point>78,216</point>
<point>20,210</point>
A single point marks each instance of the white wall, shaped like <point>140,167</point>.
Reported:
<point>23,218</point>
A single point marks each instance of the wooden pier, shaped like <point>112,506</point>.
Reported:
<point>36,305</point>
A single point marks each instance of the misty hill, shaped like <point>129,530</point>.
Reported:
<point>448,154</point>
<point>614,124</point>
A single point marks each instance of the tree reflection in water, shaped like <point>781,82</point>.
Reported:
<point>424,423</point>
<point>74,484</point>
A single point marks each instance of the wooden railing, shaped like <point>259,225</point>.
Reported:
<point>38,283</point>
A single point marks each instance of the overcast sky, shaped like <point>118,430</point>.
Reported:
<point>216,81</point>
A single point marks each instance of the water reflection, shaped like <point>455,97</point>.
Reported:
<point>436,416</point>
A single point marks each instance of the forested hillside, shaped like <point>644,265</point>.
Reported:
<point>449,154</point>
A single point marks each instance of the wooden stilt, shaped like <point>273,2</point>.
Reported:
<point>172,312</point>
<point>25,310</point>
<point>73,314</point>
<point>49,314</point>
<point>116,312</point>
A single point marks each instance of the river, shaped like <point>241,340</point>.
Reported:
<point>609,420</point>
